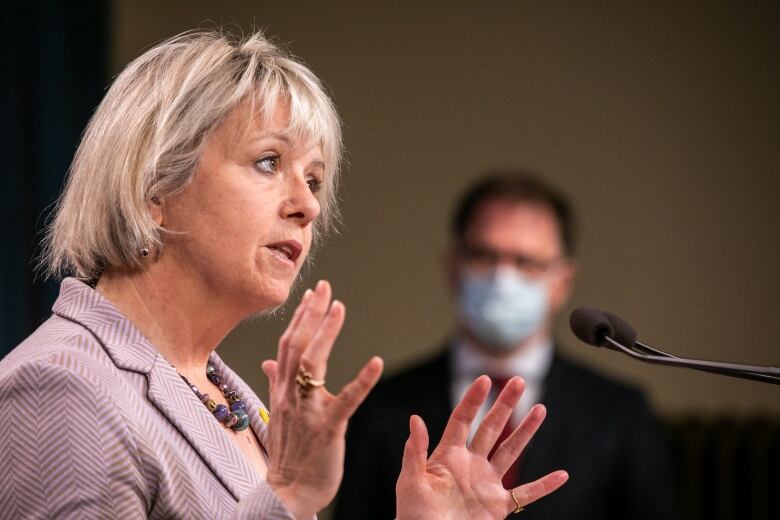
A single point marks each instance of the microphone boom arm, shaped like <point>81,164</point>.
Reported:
<point>753,372</point>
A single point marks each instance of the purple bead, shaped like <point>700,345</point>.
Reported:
<point>242,423</point>
<point>231,420</point>
<point>234,415</point>
<point>221,412</point>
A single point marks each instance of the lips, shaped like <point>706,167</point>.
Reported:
<point>288,248</point>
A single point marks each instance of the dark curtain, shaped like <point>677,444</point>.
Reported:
<point>54,66</point>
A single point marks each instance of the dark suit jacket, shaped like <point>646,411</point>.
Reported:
<point>599,430</point>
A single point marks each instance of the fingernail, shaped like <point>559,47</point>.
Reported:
<point>320,285</point>
<point>306,295</point>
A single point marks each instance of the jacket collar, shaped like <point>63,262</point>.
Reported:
<point>130,350</point>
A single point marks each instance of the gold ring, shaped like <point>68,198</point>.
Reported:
<point>306,383</point>
<point>517,503</point>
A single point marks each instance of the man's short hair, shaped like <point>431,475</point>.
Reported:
<point>515,186</point>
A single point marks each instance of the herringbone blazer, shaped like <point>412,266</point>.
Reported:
<point>97,424</point>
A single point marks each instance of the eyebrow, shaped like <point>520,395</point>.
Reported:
<point>317,163</point>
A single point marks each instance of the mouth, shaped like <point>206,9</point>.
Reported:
<point>289,249</point>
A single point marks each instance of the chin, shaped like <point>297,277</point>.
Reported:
<point>269,306</point>
<point>271,295</point>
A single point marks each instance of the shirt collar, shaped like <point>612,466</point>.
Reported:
<point>531,362</point>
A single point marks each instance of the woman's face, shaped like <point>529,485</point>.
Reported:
<point>246,218</point>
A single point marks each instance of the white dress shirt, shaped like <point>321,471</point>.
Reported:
<point>531,363</point>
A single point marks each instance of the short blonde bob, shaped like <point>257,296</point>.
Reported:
<point>146,137</point>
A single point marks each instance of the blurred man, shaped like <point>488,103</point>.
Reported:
<point>511,270</point>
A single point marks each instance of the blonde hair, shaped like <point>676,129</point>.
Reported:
<point>146,137</point>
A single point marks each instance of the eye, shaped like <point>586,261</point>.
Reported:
<point>314,184</point>
<point>268,164</point>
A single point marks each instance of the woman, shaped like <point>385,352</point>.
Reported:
<point>201,182</point>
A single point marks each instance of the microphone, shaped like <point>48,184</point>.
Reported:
<point>603,329</point>
<point>593,326</point>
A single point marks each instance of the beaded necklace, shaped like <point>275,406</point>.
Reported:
<point>235,418</point>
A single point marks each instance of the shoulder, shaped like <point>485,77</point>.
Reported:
<point>588,387</point>
<point>62,362</point>
<point>63,386</point>
<point>55,338</point>
<point>64,408</point>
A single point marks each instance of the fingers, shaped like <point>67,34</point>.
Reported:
<point>415,450</point>
<point>535,490</point>
<point>316,354</point>
<point>284,341</point>
<point>355,392</point>
<point>510,449</point>
<point>304,325</point>
<point>495,420</point>
<point>459,424</point>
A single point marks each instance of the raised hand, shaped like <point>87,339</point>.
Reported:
<point>308,423</point>
<point>458,481</point>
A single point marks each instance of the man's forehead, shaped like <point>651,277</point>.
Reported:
<point>503,212</point>
<point>514,225</point>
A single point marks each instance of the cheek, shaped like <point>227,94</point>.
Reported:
<point>555,298</point>
<point>241,223</point>
<point>225,234</point>
<point>308,239</point>
<point>559,293</point>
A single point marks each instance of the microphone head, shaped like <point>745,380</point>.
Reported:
<point>625,334</point>
<point>591,325</point>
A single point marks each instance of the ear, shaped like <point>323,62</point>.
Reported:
<point>156,210</point>
<point>563,285</point>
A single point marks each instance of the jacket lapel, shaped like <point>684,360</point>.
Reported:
<point>170,394</point>
<point>167,391</point>
<point>435,407</point>
<point>549,442</point>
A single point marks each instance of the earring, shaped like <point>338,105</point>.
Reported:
<point>144,251</point>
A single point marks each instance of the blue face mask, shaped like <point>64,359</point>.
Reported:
<point>502,308</point>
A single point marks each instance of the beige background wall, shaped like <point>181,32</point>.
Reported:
<point>660,120</point>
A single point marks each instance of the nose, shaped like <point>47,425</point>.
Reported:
<point>299,204</point>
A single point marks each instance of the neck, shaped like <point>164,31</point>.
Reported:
<point>182,324</point>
